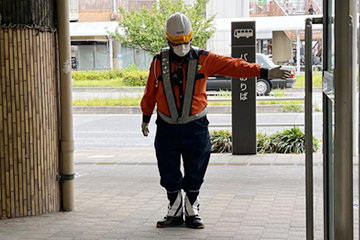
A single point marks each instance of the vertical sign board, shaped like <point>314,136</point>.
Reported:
<point>243,90</point>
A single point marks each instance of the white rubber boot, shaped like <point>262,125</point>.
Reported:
<point>192,217</point>
<point>174,216</point>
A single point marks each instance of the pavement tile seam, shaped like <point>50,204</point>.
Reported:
<point>211,164</point>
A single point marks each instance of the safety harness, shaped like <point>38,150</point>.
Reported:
<point>186,116</point>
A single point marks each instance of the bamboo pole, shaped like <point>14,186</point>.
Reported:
<point>32,116</point>
<point>2,136</point>
<point>22,173</point>
<point>7,126</point>
<point>36,123</point>
<point>16,126</point>
<point>12,121</point>
<point>27,119</point>
<point>55,85</point>
<point>43,157</point>
<point>46,116</point>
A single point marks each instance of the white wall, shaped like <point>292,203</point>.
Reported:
<point>221,41</point>
<point>228,8</point>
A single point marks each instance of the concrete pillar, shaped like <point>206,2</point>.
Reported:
<point>281,47</point>
<point>244,8</point>
<point>117,59</point>
<point>111,55</point>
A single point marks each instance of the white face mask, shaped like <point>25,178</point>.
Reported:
<point>181,50</point>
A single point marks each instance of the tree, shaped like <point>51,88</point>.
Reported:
<point>146,28</point>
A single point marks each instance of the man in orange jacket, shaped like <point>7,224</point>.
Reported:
<point>177,86</point>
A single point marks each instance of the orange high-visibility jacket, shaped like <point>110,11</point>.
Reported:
<point>208,64</point>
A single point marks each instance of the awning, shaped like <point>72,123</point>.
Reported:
<point>92,29</point>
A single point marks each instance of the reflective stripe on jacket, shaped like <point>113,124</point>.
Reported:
<point>208,64</point>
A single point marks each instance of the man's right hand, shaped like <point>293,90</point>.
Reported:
<point>145,129</point>
<point>277,72</point>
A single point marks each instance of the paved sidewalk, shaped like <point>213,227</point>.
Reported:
<point>118,196</point>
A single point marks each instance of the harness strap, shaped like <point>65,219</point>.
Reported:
<point>189,91</point>
<point>169,93</point>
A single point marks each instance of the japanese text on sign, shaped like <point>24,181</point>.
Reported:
<point>243,85</point>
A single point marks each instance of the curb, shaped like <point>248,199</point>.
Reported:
<point>141,89</point>
<point>137,110</point>
<point>108,89</point>
<point>301,89</point>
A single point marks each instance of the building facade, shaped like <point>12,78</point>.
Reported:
<point>91,45</point>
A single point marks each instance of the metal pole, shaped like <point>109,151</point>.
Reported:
<point>67,139</point>
<point>359,125</point>
<point>94,55</point>
<point>353,12</point>
<point>114,7</point>
<point>308,131</point>
<point>328,169</point>
<point>111,54</point>
<point>327,35</point>
<point>298,46</point>
<point>358,113</point>
<point>343,137</point>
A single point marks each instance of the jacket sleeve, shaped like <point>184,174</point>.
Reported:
<point>149,98</point>
<point>233,67</point>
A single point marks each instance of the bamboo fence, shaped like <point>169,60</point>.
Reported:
<point>29,132</point>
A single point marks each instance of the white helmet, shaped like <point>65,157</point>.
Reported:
<point>178,28</point>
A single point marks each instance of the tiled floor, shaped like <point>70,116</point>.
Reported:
<point>118,196</point>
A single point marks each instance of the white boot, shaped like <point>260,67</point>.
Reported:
<point>192,218</point>
<point>175,213</point>
<point>176,210</point>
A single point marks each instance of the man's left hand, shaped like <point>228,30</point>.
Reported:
<point>145,129</point>
<point>277,72</point>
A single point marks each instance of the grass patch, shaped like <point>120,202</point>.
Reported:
<point>273,102</point>
<point>278,92</point>
<point>222,94</point>
<point>293,108</point>
<point>317,80</point>
<point>289,106</point>
<point>117,82</point>
<point>135,101</point>
<point>219,103</point>
<point>125,101</point>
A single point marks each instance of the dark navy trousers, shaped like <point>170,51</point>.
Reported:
<point>191,141</point>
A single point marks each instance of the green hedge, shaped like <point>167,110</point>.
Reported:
<point>130,76</point>
<point>97,75</point>
<point>135,78</point>
<point>288,141</point>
